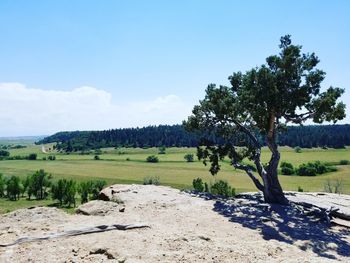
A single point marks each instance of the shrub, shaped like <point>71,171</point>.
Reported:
<point>331,169</point>
<point>32,156</point>
<point>306,170</point>
<point>300,189</point>
<point>198,184</point>
<point>128,159</point>
<point>96,157</point>
<point>51,157</point>
<point>152,159</point>
<point>297,149</point>
<point>320,167</point>
<point>344,162</point>
<point>18,157</point>
<point>151,180</point>
<point>311,169</point>
<point>287,168</point>
<point>333,187</point>
<point>287,171</point>
<point>222,188</point>
<point>338,186</point>
<point>4,153</point>
<point>206,187</point>
<point>97,186</point>
<point>189,157</point>
<point>44,158</point>
<point>327,186</point>
<point>162,150</point>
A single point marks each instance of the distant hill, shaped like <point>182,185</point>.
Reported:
<point>20,140</point>
<point>24,138</point>
<point>334,136</point>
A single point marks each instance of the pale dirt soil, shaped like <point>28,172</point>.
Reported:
<point>183,228</point>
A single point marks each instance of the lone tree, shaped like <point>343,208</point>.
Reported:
<point>259,104</point>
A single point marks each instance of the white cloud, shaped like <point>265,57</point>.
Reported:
<point>26,111</point>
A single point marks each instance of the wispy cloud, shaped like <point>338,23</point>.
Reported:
<point>27,111</point>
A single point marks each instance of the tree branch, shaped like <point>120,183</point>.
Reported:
<point>256,157</point>
<point>299,118</point>
<point>257,162</point>
<point>247,132</point>
<point>250,174</point>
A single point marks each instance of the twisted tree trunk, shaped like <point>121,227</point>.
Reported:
<point>270,185</point>
<point>273,192</point>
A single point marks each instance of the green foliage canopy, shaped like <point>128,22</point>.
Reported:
<point>13,187</point>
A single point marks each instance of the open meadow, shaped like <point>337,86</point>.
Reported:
<point>128,165</point>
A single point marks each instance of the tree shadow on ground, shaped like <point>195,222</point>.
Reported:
<point>286,224</point>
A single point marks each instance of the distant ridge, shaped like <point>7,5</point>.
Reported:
<point>334,136</point>
<point>17,138</point>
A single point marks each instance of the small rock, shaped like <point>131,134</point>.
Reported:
<point>97,207</point>
<point>98,251</point>
<point>104,251</point>
<point>204,238</point>
<point>122,209</point>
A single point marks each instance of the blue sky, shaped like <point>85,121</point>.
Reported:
<point>147,62</point>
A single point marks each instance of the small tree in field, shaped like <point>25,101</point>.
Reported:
<point>13,188</point>
<point>64,191</point>
<point>4,153</point>
<point>198,184</point>
<point>162,150</point>
<point>58,190</point>
<point>32,156</point>
<point>152,159</point>
<point>97,186</point>
<point>39,182</point>
<point>287,89</point>
<point>84,189</point>
<point>2,186</point>
<point>189,157</point>
<point>69,195</point>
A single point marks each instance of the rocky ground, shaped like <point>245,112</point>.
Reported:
<point>183,228</point>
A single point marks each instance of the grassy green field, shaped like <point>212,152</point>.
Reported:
<point>128,165</point>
